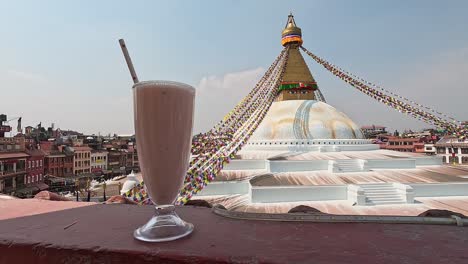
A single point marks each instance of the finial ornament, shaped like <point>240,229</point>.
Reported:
<point>291,34</point>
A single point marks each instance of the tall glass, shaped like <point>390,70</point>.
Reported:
<point>163,114</point>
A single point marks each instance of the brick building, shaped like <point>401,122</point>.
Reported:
<point>34,166</point>
<point>402,144</point>
<point>59,163</point>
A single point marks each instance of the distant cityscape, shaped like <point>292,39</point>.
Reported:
<point>47,158</point>
<point>428,141</point>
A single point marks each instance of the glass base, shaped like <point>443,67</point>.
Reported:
<point>165,225</point>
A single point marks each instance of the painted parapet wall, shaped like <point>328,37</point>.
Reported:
<point>406,191</point>
<point>391,164</point>
<point>226,188</point>
<point>245,165</point>
<point>356,194</point>
<point>315,165</point>
<point>296,165</point>
<point>434,160</point>
<point>439,189</point>
<point>299,193</point>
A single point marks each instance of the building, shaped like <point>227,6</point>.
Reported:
<point>373,130</point>
<point>117,160</point>
<point>35,166</point>
<point>452,150</point>
<point>59,162</point>
<point>135,162</point>
<point>419,142</point>
<point>402,144</point>
<point>3,128</point>
<point>12,164</point>
<point>98,161</point>
<point>12,144</point>
<point>81,160</point>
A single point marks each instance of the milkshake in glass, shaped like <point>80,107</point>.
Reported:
<point>163,114</point>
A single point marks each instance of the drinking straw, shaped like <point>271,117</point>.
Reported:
<point>128,60</point>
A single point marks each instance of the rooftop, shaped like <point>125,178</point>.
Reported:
<point>82,148</point>
<point>49,232</point>
<point>13,155</point>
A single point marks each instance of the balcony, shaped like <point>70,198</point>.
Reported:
<point>12,173</point>
<point>39,231</point>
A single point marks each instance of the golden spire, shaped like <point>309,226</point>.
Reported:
<point>297,83</point>
<point>291,33</point>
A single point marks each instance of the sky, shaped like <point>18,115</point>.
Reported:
<point>60,61</point>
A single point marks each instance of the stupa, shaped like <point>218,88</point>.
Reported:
<point>306,152</point>
<point>299,118</point>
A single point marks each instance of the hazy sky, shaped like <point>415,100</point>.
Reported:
<point>60,61</point>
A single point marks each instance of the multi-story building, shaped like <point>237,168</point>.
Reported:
<point>81,160</point>
<point>117,161</point>
<point>34,166</point>
<point>136,163</point>
<point>132,158</point>
<point>12,164</point>
<point>59,162</point>
<point>402,144</point>
<point>129,158</point>
<point>373,130</point>
<point>98,161</point>
<point>453,150</point>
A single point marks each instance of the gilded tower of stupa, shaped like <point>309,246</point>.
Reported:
<point>298,83</point>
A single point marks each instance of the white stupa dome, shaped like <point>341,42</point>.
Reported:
<point>305,119</point>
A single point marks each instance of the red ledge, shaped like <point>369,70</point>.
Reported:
<point>103,234</point>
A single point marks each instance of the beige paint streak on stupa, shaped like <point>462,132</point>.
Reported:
<point>318,121</point>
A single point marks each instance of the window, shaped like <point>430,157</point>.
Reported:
<point>40,163</point>
<point>29,164</point>
<point>29,179</point>
<point>37,163</point>
<point>453,150</point>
